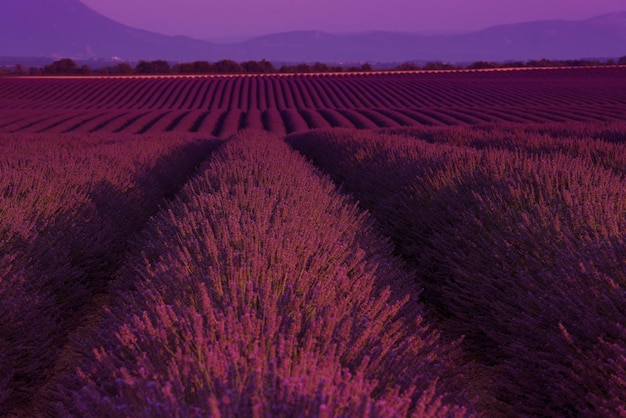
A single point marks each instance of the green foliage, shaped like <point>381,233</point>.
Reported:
<point>62,66</point>
<point>258,67</point>
<point>227,67</point>
<point>153,67</point>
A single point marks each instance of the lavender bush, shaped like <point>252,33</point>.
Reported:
<point>522,252</point>
<point>261,291</point>
<point>68,206</point>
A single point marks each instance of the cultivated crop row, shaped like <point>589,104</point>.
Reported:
<point>361,101</point>
<point>223,122</point>
<point>260,291</point>
<point>517,238</point>
<point>68,206</point>
<point>599,143</point>
<point>473,90</point>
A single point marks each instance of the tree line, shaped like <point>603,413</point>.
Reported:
<point>67,66</point>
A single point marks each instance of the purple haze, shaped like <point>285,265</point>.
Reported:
<point>239,19</point>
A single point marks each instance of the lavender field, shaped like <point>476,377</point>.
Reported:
<point>428,245</point>
<point>221,105</point>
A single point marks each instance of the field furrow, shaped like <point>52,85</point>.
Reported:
<point>378,118</point>
<point>176,121</point>
<point>185,97</point>
<point>300,96</point>
<point>216,94</point>
<point>357,119</point>
<point>196,95</point>
<point>314,119</point>
<point>420,117</point>
<point>293,121</point>
<point>335,118</point>
<point>10,118</point>
<point>71,124</point>
<point>503,115</point>
<point>209,93</point>
<point>440,115</point>
<point>335,89</point>
<point>155,119</point>
<point>364,93</point>
<point>326,88</point>
<point>136,90</point>
<point>230,122</point>
<point>253,120</point>
<point>273,122</point>
<point>226,99</point>
<point>461,115</point>
<point>90,120</point>
<point>206,122</point>
<point>155,94</point>
<point>248,95</point>
<point>234,101</point>
<point>127,122</point>
<point>398,117</point>
<point>37,124</point>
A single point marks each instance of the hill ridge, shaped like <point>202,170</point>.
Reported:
<point>69,28</point>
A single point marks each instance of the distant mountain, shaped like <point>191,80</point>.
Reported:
<point>602,36</point>
<point>68,28</point>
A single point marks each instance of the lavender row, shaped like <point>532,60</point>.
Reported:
<point>262,291</point>
<point>68,206</point>
<point>521,252</point>
<point>600,143</point>
<point>428,122</point>
<point>500,90</point>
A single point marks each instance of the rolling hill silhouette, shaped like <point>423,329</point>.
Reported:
<point>68,28</point>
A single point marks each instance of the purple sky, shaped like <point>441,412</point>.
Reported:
<point>239,19</point>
